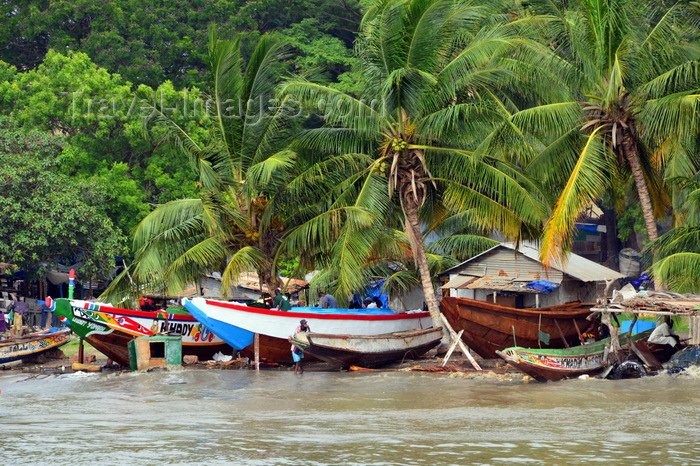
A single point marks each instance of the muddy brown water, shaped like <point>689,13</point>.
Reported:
<point>387,418</point>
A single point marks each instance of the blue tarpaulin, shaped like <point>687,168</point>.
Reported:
<point>542,286</point>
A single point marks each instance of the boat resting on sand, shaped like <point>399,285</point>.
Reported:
<point>489,327</point>
<point>34,344</point>
<point>237,323</point>
<point>367,350</point>
<point>110,329</point>
<point>588,359</point>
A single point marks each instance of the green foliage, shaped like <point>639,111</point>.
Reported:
<point>630,221</point>
<point>102,119</point>
<point>317,50</point>
<point>619,93</point>
<point>146,42</point>
<point>427,71</point>
<point>48,216</point>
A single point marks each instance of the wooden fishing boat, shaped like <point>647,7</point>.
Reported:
<point>557,364</point>
<point>489,327</point>
<point>34,344</point>
<point>367,350</point>
<point>236,324</point>
<point>110,329</point>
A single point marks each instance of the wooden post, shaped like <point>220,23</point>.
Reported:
<point>578,332</point>
<point>458,338</point>
<point>81,354</point>
<point>256,346</point>
<point>614,343</point>
<point>561,334</point>
<point>462,346</point>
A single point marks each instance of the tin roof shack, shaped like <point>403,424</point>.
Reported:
<point>504,275</point>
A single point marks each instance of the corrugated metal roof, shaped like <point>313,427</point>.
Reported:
<point>577,266</point>
<point>459,281</point>
<point>497,283</point>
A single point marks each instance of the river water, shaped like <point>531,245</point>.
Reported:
<point>390,418</point>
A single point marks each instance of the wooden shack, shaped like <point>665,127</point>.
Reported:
<point>515,277</point>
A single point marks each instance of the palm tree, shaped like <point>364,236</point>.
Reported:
<point>631,75</point>
<point>242,166</point>
<point>678,251</point>
<point>432,79</point>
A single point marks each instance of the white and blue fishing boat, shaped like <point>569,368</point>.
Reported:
<point>237,323</point>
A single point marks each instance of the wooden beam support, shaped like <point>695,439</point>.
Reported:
<point>452,347</point>
<point>462,346</point>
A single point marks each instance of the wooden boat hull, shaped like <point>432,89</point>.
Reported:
<point>33,345</point>
<point>237,324</point>
<point>556,364</point>
<point>110,329</point>
<point>488,327</point>
<point>368,350</point>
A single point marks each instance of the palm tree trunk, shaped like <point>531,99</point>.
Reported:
<point>629,149</point>
<point>418,248</point>
<point>630,152</point>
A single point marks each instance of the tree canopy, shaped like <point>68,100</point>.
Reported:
<point>47,216</point>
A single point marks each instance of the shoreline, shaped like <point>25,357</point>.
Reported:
<point>456,366</point>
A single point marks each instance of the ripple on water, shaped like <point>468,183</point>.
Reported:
<point>214,417</point>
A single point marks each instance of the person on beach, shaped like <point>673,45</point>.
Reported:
<point>297,354</point>
<point>326,301</point>
<point>46,314</point>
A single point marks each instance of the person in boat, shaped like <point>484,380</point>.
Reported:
<point>377,300</point>
<point>370,304</point>
<point>598,330</point>
<point>663,334</point>
<point>326,301</point>
<point>298,354</point>
<point>147,305</point>
<point>281,302</point>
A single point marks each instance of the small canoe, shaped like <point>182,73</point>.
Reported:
<point>367,350</point>
<point>33,344</point>
<point>557,364</point>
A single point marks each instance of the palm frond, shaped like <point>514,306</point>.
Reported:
<point>586,184</point>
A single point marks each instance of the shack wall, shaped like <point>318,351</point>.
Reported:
<point>502,261</point>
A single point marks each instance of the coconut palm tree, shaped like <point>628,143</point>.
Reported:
<point>678,251</point>
<point>433,78</point>
<point>242,165</point>
<point>631,74</point>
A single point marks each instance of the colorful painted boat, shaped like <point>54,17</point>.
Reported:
<point>367,350</point>
<point>110,329</point>
<point>33,344</point>
<point>557,364</point>
<point>489,327</point>
<point>237,323</point>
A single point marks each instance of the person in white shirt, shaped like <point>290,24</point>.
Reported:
<point>663,334</point>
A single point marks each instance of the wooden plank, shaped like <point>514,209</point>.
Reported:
<point>462,346</point>
<point>561,334</point>
<point>454,344</point>
<point>256,349</point>
<point>642,350</point>
<point>578,332</point>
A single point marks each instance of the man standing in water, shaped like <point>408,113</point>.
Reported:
<point>297,354</point>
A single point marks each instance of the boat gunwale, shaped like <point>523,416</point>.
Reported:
<point>391,336</point>
<point>313,315</point>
